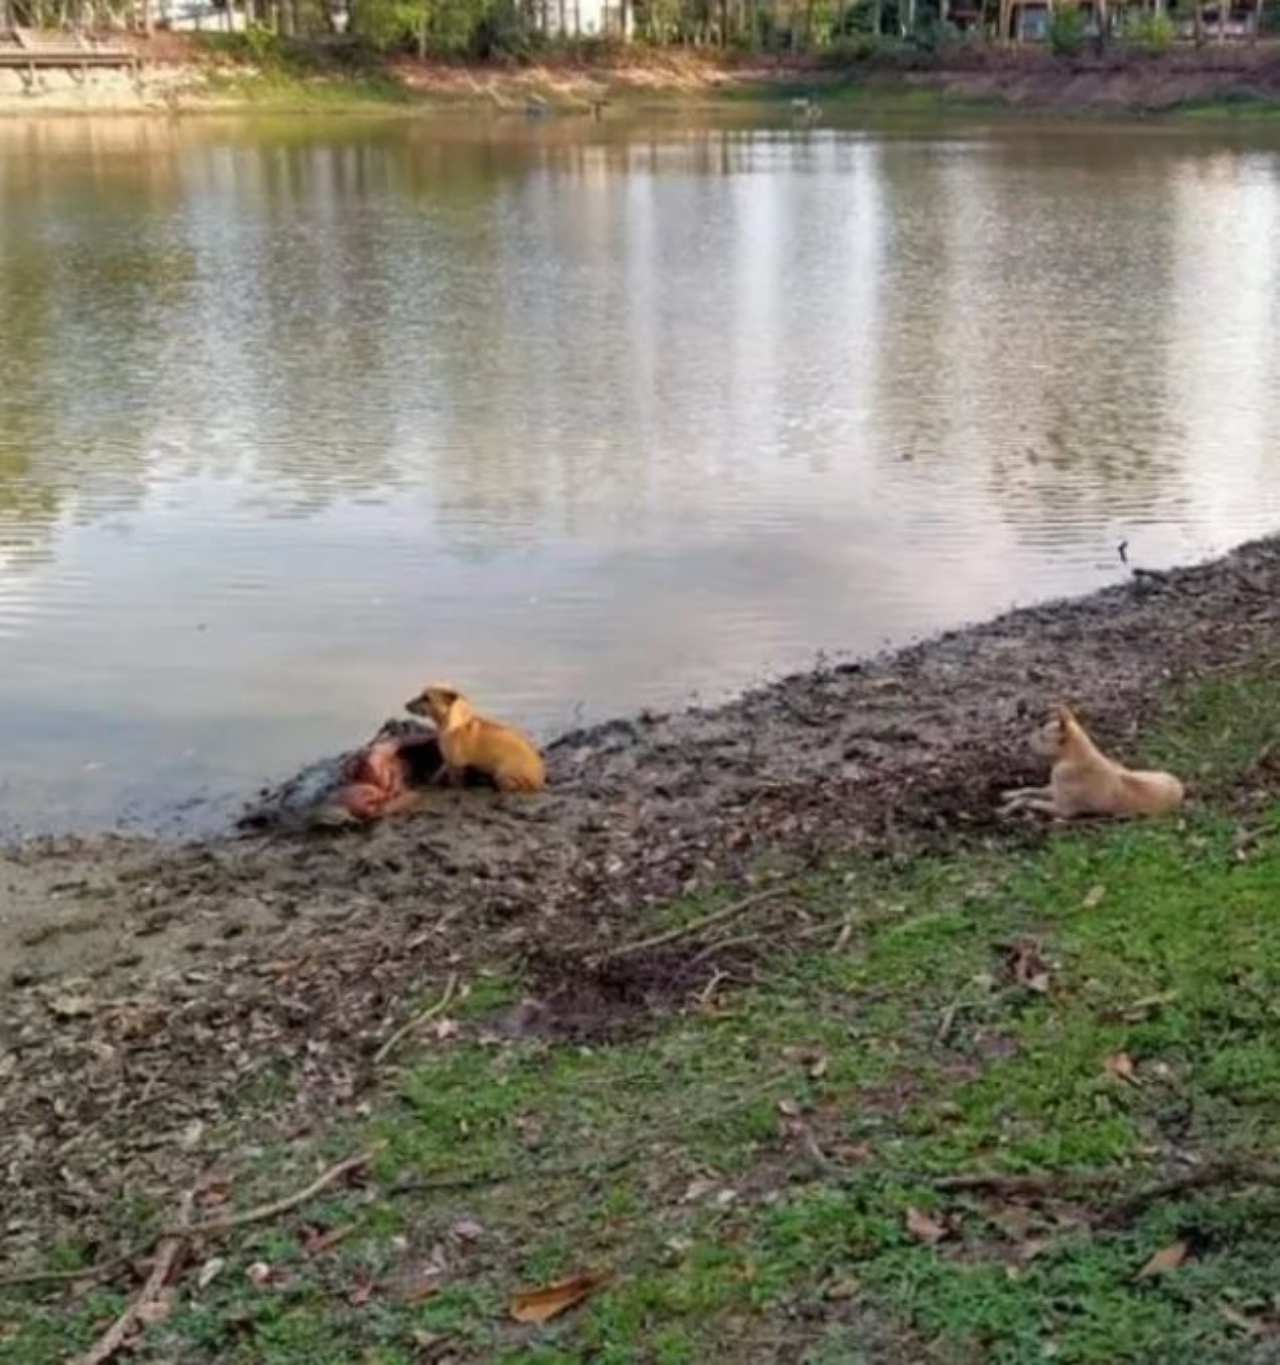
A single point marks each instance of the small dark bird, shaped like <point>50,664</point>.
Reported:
<point>1124,552</point>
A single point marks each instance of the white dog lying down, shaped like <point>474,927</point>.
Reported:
<point>1084,781</point>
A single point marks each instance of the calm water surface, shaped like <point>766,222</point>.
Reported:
<point>586,417</point>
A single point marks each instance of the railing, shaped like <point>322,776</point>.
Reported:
<point>29,49</point>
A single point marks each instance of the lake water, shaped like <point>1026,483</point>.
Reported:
<point>585,417</point>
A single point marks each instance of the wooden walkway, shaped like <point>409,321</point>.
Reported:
<point>30,50</point>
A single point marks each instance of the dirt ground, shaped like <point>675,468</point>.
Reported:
<point>1119,85</point>
<point>1028,79</point>
<point>146,986</point>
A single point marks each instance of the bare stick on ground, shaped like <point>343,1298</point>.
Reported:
<point>695,927</point>
<point>1061,1184</point>
<point>1228,1172</point>
<point>1065,1184</point>
<point>262,1213</point>
<point>167,1254</point>
<point>417,1021</point>
<point>184,1232</point>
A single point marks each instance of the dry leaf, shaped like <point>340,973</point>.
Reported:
<point>467,1230</point>
<point>541,1305</point>
<point>844,1289</point>
<point>191,1135</point>
<point>259,1272</point>
<point>1148,1005</point>
<point>813,1059</point>
<point>1094,897</point>
<point>1166,1259</point>
<point>215,1193</point>
<point>698,1189</point>
<point>789,1108</point>
<point>1030,970</point>
<point>71,1006</point>
<point>421,1292</point>
<point>923,1228</point>
<point>313,1243</point>
<point>209,1272</point>
<point>360,1292</point>
<point>1120,1067</point>
<point>148,1314</point>
<point>1238,1319</point>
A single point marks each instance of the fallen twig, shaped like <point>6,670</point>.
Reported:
<point>216,1227</point>
<point>167,1254</point>
<point>948,1021</point>
<point>1228,1172</point>
<point>708,991</point>
<point>993,1182</point>
<point>417,1021</point>
<point>814,1148</point>
<point>695,927</point>
<point>1065,1183</point>
<point>721,944</point>
<point>213,1227</point>
<point>950,1016</point>
<point>101,1271</point>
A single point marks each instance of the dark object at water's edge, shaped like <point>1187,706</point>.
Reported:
<point>313,798</point>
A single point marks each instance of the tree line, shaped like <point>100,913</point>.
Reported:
<point>484,29</point>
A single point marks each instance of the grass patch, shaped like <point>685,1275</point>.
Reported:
<point>1231,104</point>
<point>265,70</point>
<point>746,1169</point>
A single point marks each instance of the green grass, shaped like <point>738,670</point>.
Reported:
<point>284,93</point>
<point>273,73</point>
<point>745,1170</point>
<point>1231,104</point>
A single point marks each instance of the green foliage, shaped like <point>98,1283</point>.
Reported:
<point>932,35</point>
<point>851,50</point>
<point>1150,32</point>
<point>436,27</point>
<point>262,45</point>
<point>262,66</point>
<point>1068,30</point>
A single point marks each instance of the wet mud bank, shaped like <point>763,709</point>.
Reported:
<point>148,988</point>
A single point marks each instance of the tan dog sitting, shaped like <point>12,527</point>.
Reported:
<point>468,740</point>
<point>1084,781</point>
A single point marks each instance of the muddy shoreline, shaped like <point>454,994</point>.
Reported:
<point>148,986</point>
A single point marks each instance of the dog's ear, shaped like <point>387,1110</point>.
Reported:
<point>1063,714</point>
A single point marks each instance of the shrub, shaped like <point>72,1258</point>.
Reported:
<point>1068,31</point>
<point>1150,32</point>
<point>852,50</point>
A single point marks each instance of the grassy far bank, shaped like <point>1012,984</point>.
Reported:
<point>757,1170</point>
